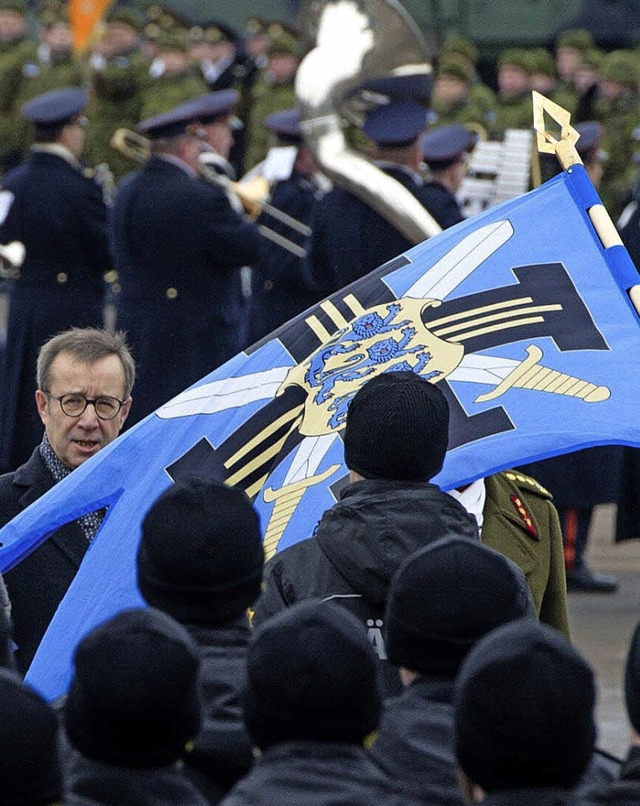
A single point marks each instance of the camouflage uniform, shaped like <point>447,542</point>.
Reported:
<point>13,55</point>
<point>515,111</point>
<point>167,91</point>
<point>45,73</point>
<point>619,116</point>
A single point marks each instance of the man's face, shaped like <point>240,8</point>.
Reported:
<point>219,135</point>
<point>76,439</point>
<point>512,81</point>
<point>12,25</point>
<point>120,38</point>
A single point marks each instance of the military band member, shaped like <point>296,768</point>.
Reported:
<point>178,247</point>
<point>349,238</point>
<point>445,151</point>
<point>279,289</point>
<point>60,216</point>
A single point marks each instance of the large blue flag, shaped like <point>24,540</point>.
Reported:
<point>519,315</point>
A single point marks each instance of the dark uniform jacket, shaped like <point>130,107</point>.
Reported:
<point>415,743</point>
<point>38,583</point>
<point>527,797</point>
<point>357,547</point>
<point>415,746</point>
<point>442,204</point>
<point>313,773</point>
<point>223,751</point>
<point>279,286</point>
<point>350,238</point>
<point>61,218</point>
<point>92,783</point>
<point>178,249</point>
<point>521,522</point>
<point>623,789</point>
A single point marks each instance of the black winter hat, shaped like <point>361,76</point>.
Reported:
<point>397,428</point>
<point>445,597</point>
<point>632,680</point>
<point>201,557</point>
<point>134,699</point>
<point>30,768</point>
<point>524,706</point>
<point>311,674</point>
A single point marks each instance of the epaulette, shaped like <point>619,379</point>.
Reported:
<point>528,484</point>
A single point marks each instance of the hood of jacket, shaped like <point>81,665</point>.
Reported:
<point>378,524</point>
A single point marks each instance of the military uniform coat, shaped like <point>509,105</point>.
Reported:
<point>61,218</point>
<point>304,773</point>
<point>521,522</point>
<point>350,239</point>
<point>37,585</point>
<point>178,248</point>
<point>442,204</point>
<point>279,287</point>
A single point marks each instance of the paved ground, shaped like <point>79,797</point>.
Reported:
<point>602,625</point>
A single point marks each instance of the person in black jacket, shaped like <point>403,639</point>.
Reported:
<point>61,218</point>
<point>85,378</point>
<point>443,599</point>
<point>311,699</point>
<point>178,248</point>
<point>395,440</point>
<point>200,560</point>
<point>524,717</point>
<point>134,703</point>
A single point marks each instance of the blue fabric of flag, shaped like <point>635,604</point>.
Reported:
<point>519,314</point>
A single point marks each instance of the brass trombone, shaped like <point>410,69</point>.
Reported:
<point>253,194</point>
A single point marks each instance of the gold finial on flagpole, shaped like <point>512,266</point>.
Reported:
<point>565,150</point>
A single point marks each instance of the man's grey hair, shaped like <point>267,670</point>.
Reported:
<point>88,345</point>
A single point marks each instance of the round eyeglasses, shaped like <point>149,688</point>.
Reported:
<point>74,405</point>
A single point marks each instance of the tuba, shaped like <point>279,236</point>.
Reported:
<point>358,42</point>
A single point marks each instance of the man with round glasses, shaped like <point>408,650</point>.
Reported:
<point>84,379</point>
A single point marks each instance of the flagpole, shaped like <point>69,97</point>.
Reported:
<point>567,154</point>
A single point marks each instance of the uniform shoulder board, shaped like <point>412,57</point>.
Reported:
<point>528,484</point>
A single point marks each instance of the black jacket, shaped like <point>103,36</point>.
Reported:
<point>178,248</point>
<point>223,751</point>
<point>415,743</point>
<point>37,585</point>
<point>327,773</point>
<point>625,789</point>
<point>357,547</point>
<point>92,783</point>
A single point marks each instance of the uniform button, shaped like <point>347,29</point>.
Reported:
<point>268,285</point>
<point>62,277</point>
<point>171,293</point>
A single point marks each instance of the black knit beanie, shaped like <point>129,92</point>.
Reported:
<point>311,675</point>
<point>632,680</point>
<point>134,699</point>
<point>201,557</point>
<point>445,597</point>
<point>524,706</point>
<point>30,767</point>
<point>397,428</point>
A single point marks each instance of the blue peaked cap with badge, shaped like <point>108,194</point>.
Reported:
<point>441,147</point>
<point>206,108</point>
<point>285,124</point>
<point>55,107</point>
<point>202,109</point>
<point>397,123</point>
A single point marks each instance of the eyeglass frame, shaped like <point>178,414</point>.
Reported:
<point>87,400</point>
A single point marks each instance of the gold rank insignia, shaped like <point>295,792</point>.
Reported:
<point>526,518</point>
